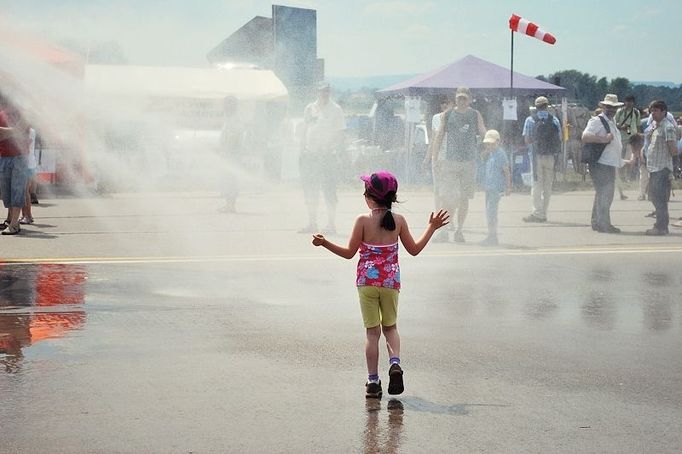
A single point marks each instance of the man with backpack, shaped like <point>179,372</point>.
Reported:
<point>542,133</point>
<point>602,129</point>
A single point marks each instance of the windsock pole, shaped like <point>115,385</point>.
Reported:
<point>511,72</point>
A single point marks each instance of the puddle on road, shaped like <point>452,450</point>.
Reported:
<point>38,303</point>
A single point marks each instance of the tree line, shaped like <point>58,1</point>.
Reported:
<point>587,90</point>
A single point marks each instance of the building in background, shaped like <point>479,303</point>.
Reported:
<point>285,43</point>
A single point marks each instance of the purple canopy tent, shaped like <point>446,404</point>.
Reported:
<point>484,79</point>
<point>480,76</point>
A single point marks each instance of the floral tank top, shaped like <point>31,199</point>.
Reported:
<point>378,266</point>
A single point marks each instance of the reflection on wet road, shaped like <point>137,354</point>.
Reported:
<point>38,302</point>
<point>383,431</point>
<point>240,356</point>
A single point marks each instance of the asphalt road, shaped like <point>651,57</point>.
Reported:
<point>153,323</point>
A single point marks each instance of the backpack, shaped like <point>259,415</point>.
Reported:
<point>546,136</point>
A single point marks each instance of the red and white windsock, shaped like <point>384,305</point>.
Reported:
<point>521,25</point>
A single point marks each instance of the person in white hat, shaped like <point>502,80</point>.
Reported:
<point>497,181</point>
<point>603,172</point>
<point>542,133</point>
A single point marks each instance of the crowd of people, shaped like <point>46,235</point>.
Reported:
<point>645,142</point>
<point>464,155</point>
<point>652,146</point>
<point>17,168</point>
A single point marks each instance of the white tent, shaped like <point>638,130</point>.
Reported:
<point>180,82</point>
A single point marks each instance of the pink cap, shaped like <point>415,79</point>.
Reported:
<point>380,183</point>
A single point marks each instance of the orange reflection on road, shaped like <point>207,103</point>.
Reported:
<point>38,302</point>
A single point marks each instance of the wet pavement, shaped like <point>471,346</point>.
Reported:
<point>135,332</point>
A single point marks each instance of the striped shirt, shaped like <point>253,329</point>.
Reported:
<point>658,156</point>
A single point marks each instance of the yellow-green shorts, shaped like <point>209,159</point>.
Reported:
<point>379,305</point>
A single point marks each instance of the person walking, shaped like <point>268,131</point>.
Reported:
<point>603,171</point>
<point>463,126</point>
<point>542,133</point>
<point>376,235</point>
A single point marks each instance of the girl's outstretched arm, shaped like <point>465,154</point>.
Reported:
<point>435,222</point>
<point>353,242</point>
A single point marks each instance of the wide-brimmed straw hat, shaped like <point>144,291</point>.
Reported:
<point>611,100</point>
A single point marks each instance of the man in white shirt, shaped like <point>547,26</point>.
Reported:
<point>603,172</point>
<point>321,140</point>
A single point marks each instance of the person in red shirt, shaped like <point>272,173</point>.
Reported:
<point>13,167</point>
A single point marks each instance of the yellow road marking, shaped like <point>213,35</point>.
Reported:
<point>594,250</point>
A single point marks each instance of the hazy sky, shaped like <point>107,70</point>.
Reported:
<point>633,39</point>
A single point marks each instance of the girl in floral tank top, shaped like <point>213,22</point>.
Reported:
<point>376,236</point>
<point>378,266</point>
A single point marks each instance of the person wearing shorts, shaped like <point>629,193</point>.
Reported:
<point>376,236</point>
<point>378,305</point>
<point>463,126</point>
<point>13,167</point>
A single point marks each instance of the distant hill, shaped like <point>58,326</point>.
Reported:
<point>372,82</point>
<point>655,83</point>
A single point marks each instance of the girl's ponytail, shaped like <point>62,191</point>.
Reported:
<point>388,221</point>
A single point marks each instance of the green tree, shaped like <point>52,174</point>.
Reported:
<point>585,89</point>
<point>620,86</point>
<point>602,87</point>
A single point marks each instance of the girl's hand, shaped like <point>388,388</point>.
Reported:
<point>439,220</point>
<point>318,239</point>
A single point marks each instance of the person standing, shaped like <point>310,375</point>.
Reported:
<point>322,139</point>
<point>638,161</point>
<point>497,181</point>
<point>628,120</point>
<point>231,148</point>
<point>433,159</point>
<point>13,168</point>
<point>662,148</point>
<point>463,126</point>
<point>542,133</point>
<point>31,166</point>
<point>603,172</point>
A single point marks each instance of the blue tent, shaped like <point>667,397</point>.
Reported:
<point>480,76</point>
